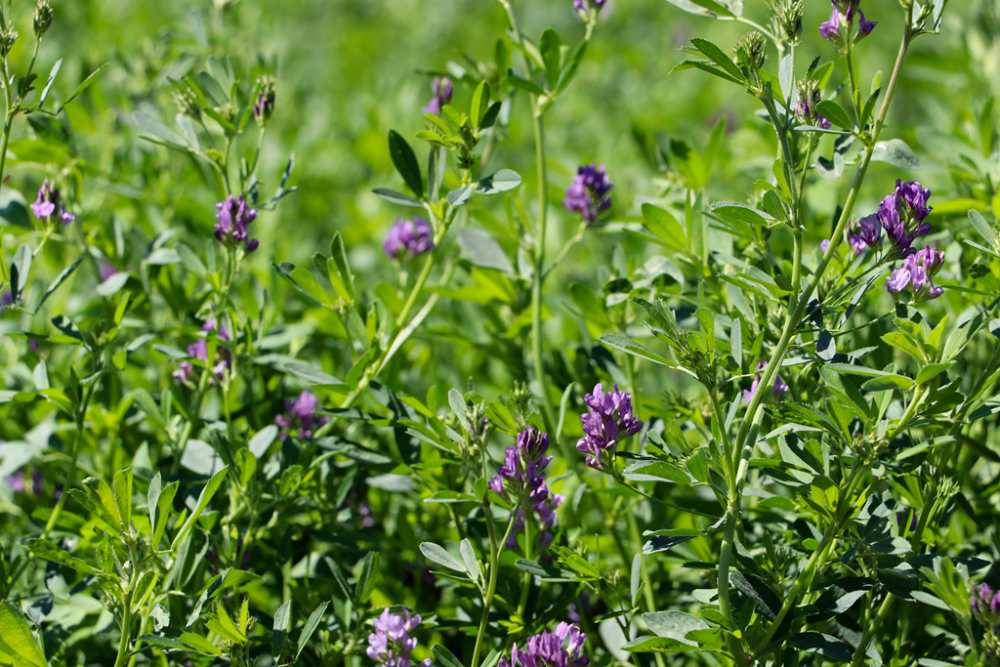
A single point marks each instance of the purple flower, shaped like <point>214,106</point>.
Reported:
<point>263,106</point>
<point>48,203</point>
<point>930,259</point>
<point>583,7</point>
<point>898,281</point>
<point>106,269</point>
<point>985,604</point>
<point>521,479</point>
<point>609,420</point>
<point>408,236</point>
<point>6,300</point>
<point>301,413</point>
<point>865,27</point>
<point>824,245</point>
<point>831,29</point>
<point>391,644</point>
<point>546,511</point>
<point>441,85</point>
<point>588,194</point>
<point>777,391</point>
<point>911,199</point>
<point>857,243</point>
<point>805,107</point>
<point>234,217</point>
<point>550,649</point>
<point>870,232</point>
<point>199,350</point>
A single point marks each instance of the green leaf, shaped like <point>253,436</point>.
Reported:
<point>656,471</point>
<point>282,626</point>
<point>846,391</point>
<point>18,646</point>
<point>629,346</point>
<point>469,556</point>
<point>343,281</point>
<point>897,153</point>
<point>158,129</point>
<point>310,285</point>
<point>406,163</point>
<point>54,553</point>
<point>313,375</point>
<point>985,229</point>
<point>83,86</point>
<point>164,504</point>
<point>742,212</point>
<point>502,181</point>
<point>57,282</point>
<point>930,371</point>
<point>549,45</point>
<point>480,102</point>
<point>482,250</point>
<point>398,198</point>
<point>835,114</point>
<point>674,625</point>
<point>590,304</point>
<point>719,57</point>
<point>664,226</point>
<point>449,496</point>
<point>371,574</point>
<point>445,658</point>
<point>888,383</point>
<point>206,497</point>
<point>437,554</point>
<point>311,624</point>
<point>123,496</point>
<point>901,341</point>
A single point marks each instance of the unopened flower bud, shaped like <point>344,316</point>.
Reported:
<point>7,39</point>
<point>43,18</point>
<point>263,107</point>
<point>788,19</point>
<point>187,103</point>
<point>750,56</point>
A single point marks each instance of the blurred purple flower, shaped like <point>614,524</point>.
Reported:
<point>391,644</point>
<point>408,236</point>
<point>48,203</point>
<point>582,7</point>
<point>588,194</point>
<point>199,350</point>
<point>441,85</point>
<point>301,414</point>
<point>858,244</point>
<point>777,391</point>
<point>985,604</point>
<point>610,419</point>
<point>561,648</point>
<point>824,245</point>
<point>106,269</point>
<point>6,299</point>
<point>233,220</point>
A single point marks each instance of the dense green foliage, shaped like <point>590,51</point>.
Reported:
<point>214,451</point>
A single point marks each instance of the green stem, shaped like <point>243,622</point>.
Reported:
<point>418,287</point>
<point>495,551</point>
<point>866,639</point>
<point>126,624</point>
<point>80,421</point>
<point>754,413</point>
<point>526,585</point>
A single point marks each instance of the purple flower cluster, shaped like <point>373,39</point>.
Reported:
<point>777,391</point>
<point>391,644</point>
<point>985,603</point>
<point>916,273</point>
<point>550,649</point>
<point>610,419</point>
<point>805,106</point>
<point>441,85</point>
<point>199,350</point>
<point>414,237</point>
<point>48,204</point>
<point>843,16</point>
<point>588,194</point>
<point>234,217</point>
<point>521,479</point>
<point>301,414</point>
<point>546,510</point>
<point>903,216</point>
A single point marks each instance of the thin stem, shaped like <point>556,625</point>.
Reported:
<point>126,623</point>
<point>754,412</point>
<point>80,421</point>
<point>418,287</point>
<point>866,639</point>
<point>526,585</point>
<point>495,551</point>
